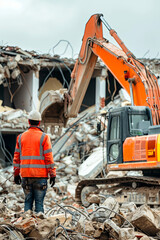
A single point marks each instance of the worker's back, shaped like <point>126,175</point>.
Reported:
<point>31,140</point>
<point>32,146</point>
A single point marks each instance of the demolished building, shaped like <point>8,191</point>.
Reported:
<point>25,76</point>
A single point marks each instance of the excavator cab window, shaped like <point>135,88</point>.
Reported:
<point>114,139</point>
<point>138,124</point>
<point>114,133</point>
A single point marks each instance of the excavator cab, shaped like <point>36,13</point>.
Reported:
<point>124,122</point>
<point>133,144</point>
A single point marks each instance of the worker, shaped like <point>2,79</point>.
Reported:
<point>33,163</point>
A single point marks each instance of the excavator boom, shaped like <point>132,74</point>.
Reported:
<point>131,74</point>
<point>124,66</point>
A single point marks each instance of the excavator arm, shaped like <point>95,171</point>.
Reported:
<point>131,74</point>
<point>84,65</point>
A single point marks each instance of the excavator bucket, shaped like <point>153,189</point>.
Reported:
<point>57,106</point>
<point>52,107</point>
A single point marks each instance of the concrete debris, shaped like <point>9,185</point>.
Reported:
<point>94,198</point>
<point>114,174</point>
<point>144,214</point>
<point>20,76</point>
<point>15,56</point>
<point>91,168</point>
<point>86,128</point>
<point>13,119</point>
<point>152,65</point>
<point>119,233</point>
<point>129,207</point>
<point>16,72</point>
<point>44,229</point>
<point>79,153</point>
<point>124,96</point>
<point>25,225</point>
<point>12,64</point>
<point>127,233</point>
<point>12,114</point>
<point>111,204</point>
<point>63,217</point>
<point>7,73</point>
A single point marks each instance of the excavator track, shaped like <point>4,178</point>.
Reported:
<point>136,189</point>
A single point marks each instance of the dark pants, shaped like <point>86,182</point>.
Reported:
<point>34,190</point>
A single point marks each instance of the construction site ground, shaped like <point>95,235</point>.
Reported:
<point>107,216</point>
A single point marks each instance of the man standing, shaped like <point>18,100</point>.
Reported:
<point>33,161</point>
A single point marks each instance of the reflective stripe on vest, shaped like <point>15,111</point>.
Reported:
<point>48,151</point>
<point>19,141</point>
<point>41,146</point>
<point>17,150</point>
<point>37,166</point>
<point>16,165</point>
<point>32,157</point>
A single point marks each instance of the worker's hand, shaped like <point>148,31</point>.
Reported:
<point>52,181</point>
<point>17,180</point>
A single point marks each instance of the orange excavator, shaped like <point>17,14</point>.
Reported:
<point>133,139</point>
<point>128,71</point>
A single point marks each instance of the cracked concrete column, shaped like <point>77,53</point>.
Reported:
<point>27,97</point>
<point>101,90</point>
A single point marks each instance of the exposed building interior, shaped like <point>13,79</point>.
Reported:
<point>25,76</point>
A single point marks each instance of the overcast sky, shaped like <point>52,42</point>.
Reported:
<point>40,24</point>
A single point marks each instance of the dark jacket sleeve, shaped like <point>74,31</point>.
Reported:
<point>16,159</point>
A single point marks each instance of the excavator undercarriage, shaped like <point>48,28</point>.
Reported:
<point>140,190</point>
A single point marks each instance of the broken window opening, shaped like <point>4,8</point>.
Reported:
<point>7,147</point>
<point>58,72</point>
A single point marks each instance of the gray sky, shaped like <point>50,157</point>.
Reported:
<point>39,24</point>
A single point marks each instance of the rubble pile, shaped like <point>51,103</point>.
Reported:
<point>75,149</point>
<point>74,152</point>
<point>152,65</point>
<point>12,60</point>
<point>68,220</point>
<point>77,144</point>
<point>13,119</point>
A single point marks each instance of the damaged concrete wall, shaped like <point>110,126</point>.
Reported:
<point>50,84</point>
<point>65,219</point>
<point>14,62</point>
<point>153,65</point>
<point>28,74</point>
<point>27,97</point>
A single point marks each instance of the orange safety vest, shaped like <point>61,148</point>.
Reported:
<point>33,155</point>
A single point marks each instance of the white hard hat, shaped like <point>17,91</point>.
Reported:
<point>35,115</point>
